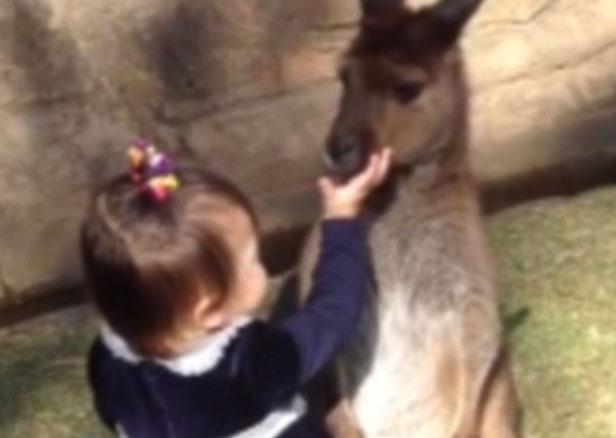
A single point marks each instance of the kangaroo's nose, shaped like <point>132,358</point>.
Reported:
<point>345,154</point>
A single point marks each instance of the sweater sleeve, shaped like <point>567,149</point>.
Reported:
<point>98,384</point>
<point>283,358</point>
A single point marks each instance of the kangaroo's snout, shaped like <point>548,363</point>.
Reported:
<point>346,154</point>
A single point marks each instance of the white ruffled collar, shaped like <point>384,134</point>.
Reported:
<point>201,358</point>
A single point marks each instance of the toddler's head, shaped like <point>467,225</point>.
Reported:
<point>169,264</point>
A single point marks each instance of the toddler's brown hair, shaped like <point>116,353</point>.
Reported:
<point>150,260</point>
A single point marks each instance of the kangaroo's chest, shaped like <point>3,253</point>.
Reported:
<point>420,254</point>
<point>420,248</point>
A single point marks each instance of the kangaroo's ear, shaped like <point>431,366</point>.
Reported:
<point>425,22</point>
<point>370,7</point>
<point>448,17</point>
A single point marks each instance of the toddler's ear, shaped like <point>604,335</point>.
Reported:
<point>209,315</point>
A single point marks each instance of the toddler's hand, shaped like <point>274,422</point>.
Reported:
<point>345,200</point>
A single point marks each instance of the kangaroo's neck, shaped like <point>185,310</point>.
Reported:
<point>423,181</point>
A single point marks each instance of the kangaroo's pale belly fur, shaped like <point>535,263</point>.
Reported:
<point>405,372</point>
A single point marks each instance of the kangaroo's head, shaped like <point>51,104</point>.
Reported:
<point>403,84</point>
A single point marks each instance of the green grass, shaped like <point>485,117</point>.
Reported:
<point>43,392</point>
<point>558,269</point>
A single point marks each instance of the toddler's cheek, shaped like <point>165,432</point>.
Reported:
<point>260,286</point>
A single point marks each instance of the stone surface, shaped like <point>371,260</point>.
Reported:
<point>231,83</point>
<point>557,262</point>
<point>249,88</point>
<point>544,87</point>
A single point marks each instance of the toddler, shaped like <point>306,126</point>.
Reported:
<point>173,261</point>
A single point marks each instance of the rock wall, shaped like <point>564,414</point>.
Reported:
<point>248,86</point>
<point>244,85</point>
<point>544,94</point>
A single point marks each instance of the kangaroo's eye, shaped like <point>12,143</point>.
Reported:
<point>407,91</point>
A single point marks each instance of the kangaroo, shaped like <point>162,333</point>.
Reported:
<point>430,360</point>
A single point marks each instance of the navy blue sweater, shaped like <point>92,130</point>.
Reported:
<point>246,380</point>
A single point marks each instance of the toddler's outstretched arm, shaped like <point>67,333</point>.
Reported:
<point>281,359</point>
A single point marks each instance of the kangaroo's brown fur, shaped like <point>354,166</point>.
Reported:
<point>429,361</point>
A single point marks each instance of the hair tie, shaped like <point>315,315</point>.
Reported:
<point>151,170</point>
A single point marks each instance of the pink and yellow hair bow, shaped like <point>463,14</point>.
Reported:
<point>152,170</point>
